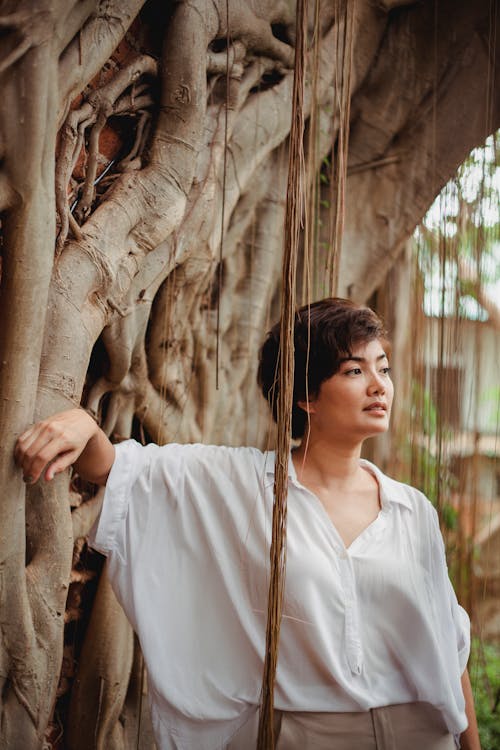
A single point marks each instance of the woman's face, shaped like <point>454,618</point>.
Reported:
<point>355,403</point>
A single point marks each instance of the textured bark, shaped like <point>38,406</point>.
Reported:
<point>441,87</point>
<point>32,595</point>
<point>175,278</point>
<point>96,706</point>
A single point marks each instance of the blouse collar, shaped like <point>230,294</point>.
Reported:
<point>391,491</point>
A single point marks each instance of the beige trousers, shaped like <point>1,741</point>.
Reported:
<point>407,726</point>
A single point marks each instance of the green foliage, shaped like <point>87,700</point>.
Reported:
<point>484,669</point>
<point>427,471</point>
<point>423,409</point>
<point>491,397</point>
<point>458,242</point>
<point>449,516</point>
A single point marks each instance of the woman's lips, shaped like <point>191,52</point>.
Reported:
<point>377,406</point>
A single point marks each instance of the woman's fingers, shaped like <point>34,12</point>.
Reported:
<point>23,442</point>
<point>27,447</point>
<point>63,436</point>
<point>39,453</point>
<point>61,463</point>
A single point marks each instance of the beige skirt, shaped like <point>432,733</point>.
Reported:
<point>407,726</point>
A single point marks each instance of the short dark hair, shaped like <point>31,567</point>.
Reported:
<point>325,332</point>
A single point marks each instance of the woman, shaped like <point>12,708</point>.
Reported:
<point>373,646</point>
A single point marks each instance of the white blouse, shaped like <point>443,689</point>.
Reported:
<point>187,530</point>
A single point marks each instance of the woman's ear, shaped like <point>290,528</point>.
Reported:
<point>307,406</point>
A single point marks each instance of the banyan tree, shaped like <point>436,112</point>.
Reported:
<point>144,166</point>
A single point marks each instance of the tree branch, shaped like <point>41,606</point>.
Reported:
<point>92,46</point>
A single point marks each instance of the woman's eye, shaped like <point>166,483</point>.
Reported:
<point>386,370</point>
<point>354,371</point>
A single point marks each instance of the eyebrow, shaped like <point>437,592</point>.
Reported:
<point>362,359</point>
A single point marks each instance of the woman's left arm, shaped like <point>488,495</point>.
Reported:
<point>469,740</point>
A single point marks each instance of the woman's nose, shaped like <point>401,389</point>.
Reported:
<point>377,384</point>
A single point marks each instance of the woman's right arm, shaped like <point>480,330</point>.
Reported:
<point>70,437</point>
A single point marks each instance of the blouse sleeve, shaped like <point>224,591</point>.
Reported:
<point>130,469</point>
<point>170,529</point>
<point>450,614</point>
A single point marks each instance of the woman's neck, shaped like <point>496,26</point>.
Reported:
<point>327,462</point>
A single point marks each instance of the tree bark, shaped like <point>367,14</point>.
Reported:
<point>175,279</point>
<point>32,597</point>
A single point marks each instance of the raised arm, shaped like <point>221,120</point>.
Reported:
<point>70,437</point>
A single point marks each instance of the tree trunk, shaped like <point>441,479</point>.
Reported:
<point>134,284</point>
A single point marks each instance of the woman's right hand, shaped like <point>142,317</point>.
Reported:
<point>54,444</point>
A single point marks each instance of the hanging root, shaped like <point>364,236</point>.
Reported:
<point>293,219</point>
<point>120,96</point>
<point>344,24</point>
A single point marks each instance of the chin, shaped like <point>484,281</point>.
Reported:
<point>377,430</point>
